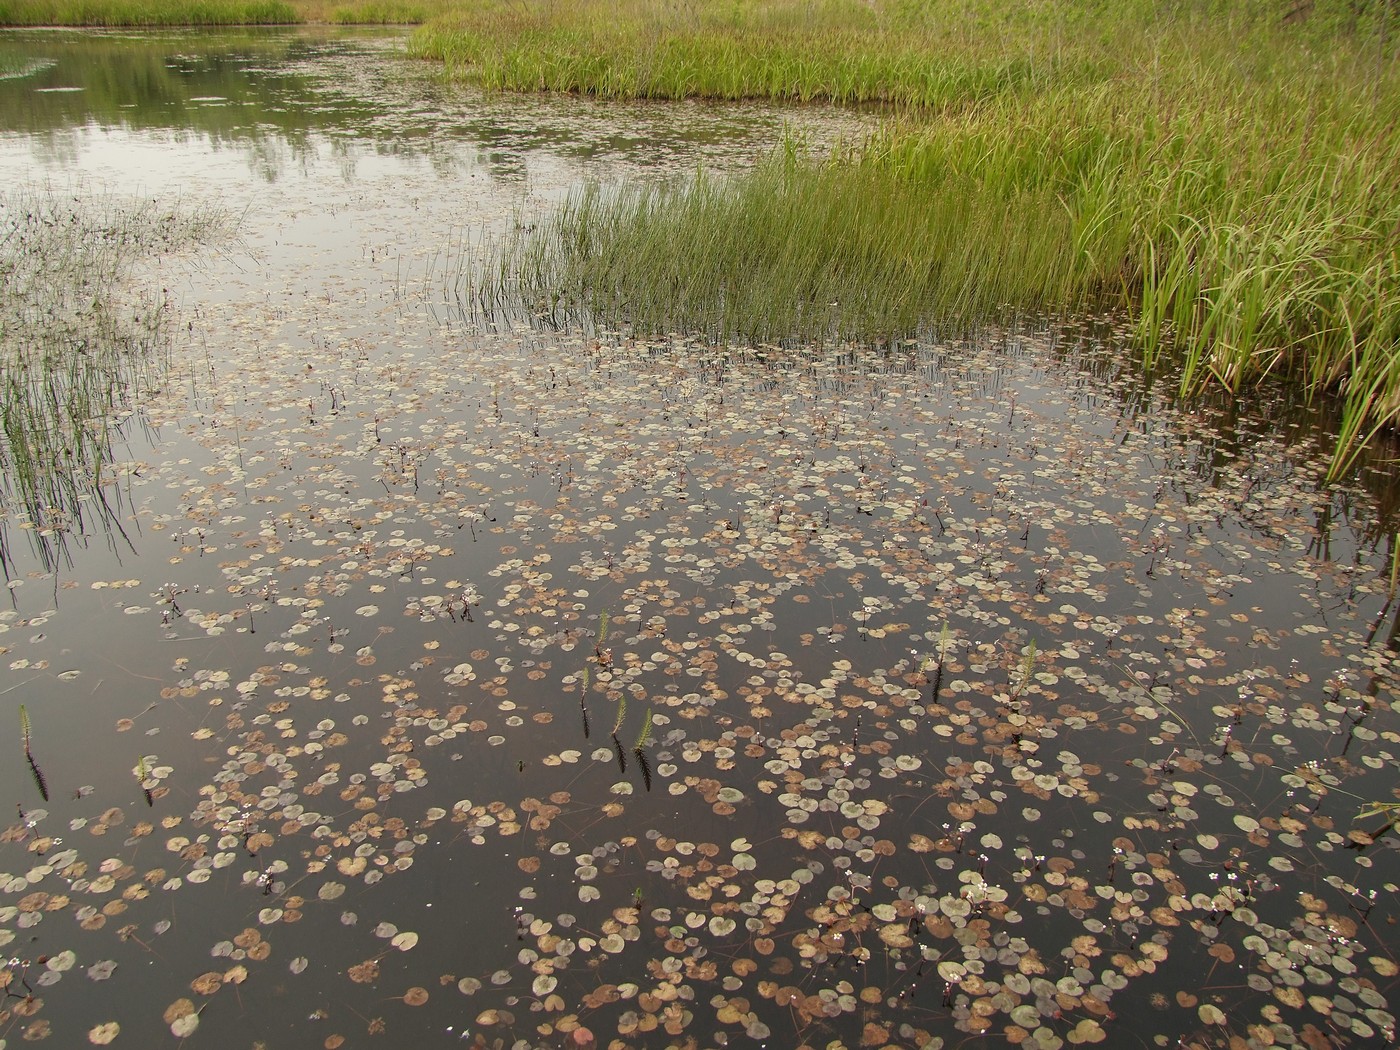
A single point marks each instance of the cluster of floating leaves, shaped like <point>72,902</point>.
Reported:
<point>618,694</point>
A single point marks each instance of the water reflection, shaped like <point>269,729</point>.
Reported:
<point>227,87</point>
<point>285,99</point>
<point>350,138</point>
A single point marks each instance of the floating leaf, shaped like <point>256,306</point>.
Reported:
<point>183,1027</point>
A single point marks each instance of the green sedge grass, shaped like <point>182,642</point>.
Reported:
<point>1229,181</point>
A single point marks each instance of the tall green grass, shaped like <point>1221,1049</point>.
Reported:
<point>218,12</point>
<point>845,51</point>
<point>796,250</point>
<point>146,12</point>
<point>378,12</point>
<point>1232,179</point>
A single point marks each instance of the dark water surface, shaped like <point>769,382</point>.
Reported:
<point>431,685</point>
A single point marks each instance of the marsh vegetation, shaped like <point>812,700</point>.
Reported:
<point>1225,174</point>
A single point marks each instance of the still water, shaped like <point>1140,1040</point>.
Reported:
<point>394,678</point>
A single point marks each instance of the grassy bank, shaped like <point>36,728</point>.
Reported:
<point>1228,175</point>
<point>153,13</point>
<point>846,51</point>
<point>146,12</point>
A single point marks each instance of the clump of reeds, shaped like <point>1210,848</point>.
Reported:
<point>77,345</point>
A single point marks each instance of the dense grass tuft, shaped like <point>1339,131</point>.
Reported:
<point>794,251</point>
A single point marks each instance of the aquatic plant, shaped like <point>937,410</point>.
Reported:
<point>142,772</point>
<point>583,699</point>
<point>40,781</point>
<point>1026,670</point>
<point>78,347</point>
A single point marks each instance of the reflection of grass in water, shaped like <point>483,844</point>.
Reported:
<point>14,67</point>
<point>372,12</point>
<point>73,353</point>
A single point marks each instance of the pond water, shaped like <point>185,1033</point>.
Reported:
<point>423,682</point>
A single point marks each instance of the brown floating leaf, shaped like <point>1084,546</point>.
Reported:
<point>1289,996</point>
<point>178,1009</point>
<point>1222,951</point>
<point>416,996</point>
